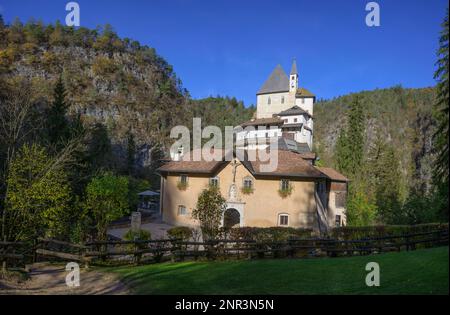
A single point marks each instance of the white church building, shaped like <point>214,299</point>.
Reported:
<point>284,112</point>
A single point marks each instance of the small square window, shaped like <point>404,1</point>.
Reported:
<point>248,183</point>
<point>183,179</point>
<point>214,181</point>
<point>284,184</point>
<point>295,120</point>
<point>283,220</point>
<point>282,100</point>
<point>182,210</point>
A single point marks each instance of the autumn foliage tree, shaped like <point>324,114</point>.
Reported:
<point>38,198</point>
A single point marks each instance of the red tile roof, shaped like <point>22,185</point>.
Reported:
<point>188,165</point>
<point>290,164</point>
<point>333,174</point>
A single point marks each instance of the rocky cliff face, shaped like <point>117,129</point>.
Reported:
<point>120,83</point>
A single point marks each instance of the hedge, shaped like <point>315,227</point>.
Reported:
<point>269,234</point>
<point>363,232</point>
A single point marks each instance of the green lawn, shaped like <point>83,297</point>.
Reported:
<point>418,272</point>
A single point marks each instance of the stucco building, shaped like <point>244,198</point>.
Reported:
<point>296,194</point>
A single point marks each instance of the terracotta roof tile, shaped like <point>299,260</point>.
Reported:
<point>188,165</point>
<point>290,164</point>
<point>333,174</point>
<point>263,122</point>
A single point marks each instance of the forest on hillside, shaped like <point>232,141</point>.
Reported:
<point>402,117</point>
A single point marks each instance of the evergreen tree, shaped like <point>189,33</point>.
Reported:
<point>383,169</point>
<point>99,149</point>
<point>350,145</point>
<point>342,151</point>
<point>441,171</point>
<point>58,129</point>
<point>441,114</point>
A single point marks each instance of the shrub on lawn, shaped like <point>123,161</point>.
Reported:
<point>182,233</point>
<point>139,235</point>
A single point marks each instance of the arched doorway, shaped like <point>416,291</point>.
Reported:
<point>231,218</point>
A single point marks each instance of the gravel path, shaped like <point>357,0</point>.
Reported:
<point>50,280</point>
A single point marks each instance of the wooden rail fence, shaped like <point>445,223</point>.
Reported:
<point>176,249</point>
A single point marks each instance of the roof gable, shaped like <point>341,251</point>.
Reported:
<point>278,81</point>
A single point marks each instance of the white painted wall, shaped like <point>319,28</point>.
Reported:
<point>296,119</point>
<point>305,103</point>
<point>253,134</point>
<point>265,110</point>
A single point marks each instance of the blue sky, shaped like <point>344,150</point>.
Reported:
<point>229,47</point>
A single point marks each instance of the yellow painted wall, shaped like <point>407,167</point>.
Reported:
<point>261,208</point>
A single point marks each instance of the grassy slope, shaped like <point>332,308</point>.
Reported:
<point>419,272</point>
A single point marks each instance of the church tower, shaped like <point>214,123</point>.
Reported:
<point>293,78</point>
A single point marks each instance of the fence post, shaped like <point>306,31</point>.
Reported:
<point>83,252</point>
<point>35,248</point>
<point>4,258</point>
